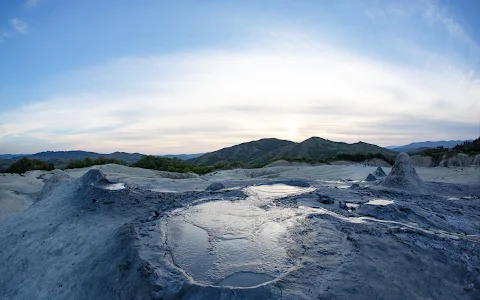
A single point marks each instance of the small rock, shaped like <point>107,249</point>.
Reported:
<point>215,186</point>
<point>355,186</point>
<point>342,205</point>
<point>325,199</point>
<point>153,215</point>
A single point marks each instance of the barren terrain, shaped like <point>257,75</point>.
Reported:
<point>281,232</point>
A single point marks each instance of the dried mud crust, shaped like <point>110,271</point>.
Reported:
<point>82,241</point>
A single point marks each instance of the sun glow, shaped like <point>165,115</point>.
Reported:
<point>290,127</point>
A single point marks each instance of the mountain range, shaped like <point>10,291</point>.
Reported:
<point>182,156</point>
<point>61,158</point>
<point>271,149</point>
<point>51,156</point>
<point>10,156</point>
<point>247,154</point>
<point>427,144</point>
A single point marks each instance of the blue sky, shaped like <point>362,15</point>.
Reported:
<point>195,76</point>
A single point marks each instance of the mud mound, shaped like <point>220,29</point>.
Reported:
<point>370,177</point>
<point>284,163</point>
<point>379,172</point>
<point>215,186</point>
<point>422,161</point>
<point>404,177</point>
<point>458,160</point>
<point>476,160</point>
<point>376,162</point>
<point>52,183</point>
<point>93,177</point>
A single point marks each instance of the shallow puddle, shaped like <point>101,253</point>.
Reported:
<point>115,186</point>
<point>245,279</point>
<point>162,190</point>
<point>381,202</point>
<point>243,242</point>
<point>237,243</point>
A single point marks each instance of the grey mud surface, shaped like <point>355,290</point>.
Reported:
<point>86,238</point>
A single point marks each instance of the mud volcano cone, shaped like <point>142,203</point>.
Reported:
<point>379,172</point>
<point>404,177</point>
<point>370,177</point>
<point>93,177</point>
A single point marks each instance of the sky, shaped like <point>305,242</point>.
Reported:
<point>160,77</point>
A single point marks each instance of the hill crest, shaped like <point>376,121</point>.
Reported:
<point>270,149</point>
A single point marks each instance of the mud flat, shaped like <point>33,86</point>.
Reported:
<point>127,233</point>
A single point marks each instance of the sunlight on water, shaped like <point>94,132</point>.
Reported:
<point>115,186</point>
<point>379,202</point>
<point>243,242</point>
<point>235,243</point>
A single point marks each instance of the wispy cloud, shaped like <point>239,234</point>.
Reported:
<point>31,3</point>
<point>3,36</point>
<point>19,25</point>
<point>439,15</point>
<point>203,100</point>
<point>426,17</point>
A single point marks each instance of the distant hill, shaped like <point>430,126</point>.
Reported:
<point>182,156</point>
<point>10,156</point>
<point>5,163</point>
<point>62,158</point>
<point>78,155</point>
<point>316,148</point>
<point>75,154</point>
<point>426,145</point>
<point>246,153</point>
<point>268,150</point>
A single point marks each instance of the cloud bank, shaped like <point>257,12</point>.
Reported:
<point>31,3</point>
<point>206,99</point>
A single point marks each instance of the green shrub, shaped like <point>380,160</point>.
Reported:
<point>467,147</point>
<point>258,165</point>
<point>88,162</point>
<point>24,164</point>
<point>437,154</point>
<point>170,165</point>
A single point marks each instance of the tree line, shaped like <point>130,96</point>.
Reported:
<point>170,165</point>
<point>472,147</point>
<point>147,162</point>
<point>24,164</point>
<point>176,165</point>
<point>88,162</point>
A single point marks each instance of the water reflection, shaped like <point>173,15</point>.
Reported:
<point>235,243</point>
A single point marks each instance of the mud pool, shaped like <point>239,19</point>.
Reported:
<point>381,202</point>
<point>234,242</point>
<point>115,186</point>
